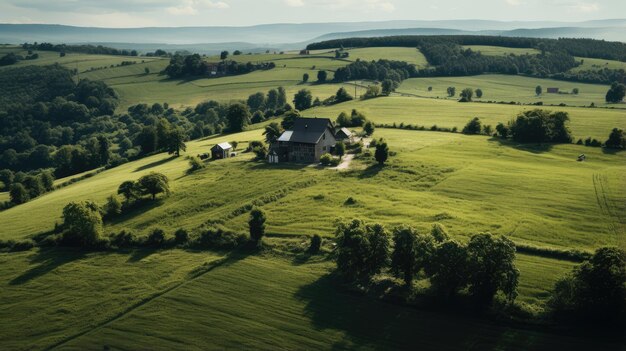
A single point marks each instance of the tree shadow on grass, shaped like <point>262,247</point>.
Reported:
<point>138,208</point>
<point>368,323</point>
<point>155,163</point>
<point>371,171</point>
<point>535,148</point>
<point>610,151</point>
<point>261,165</point>
<point>47,260</point>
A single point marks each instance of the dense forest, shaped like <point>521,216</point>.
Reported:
<point>447,57</point>
<point>576,47</point>
<point>194,66</point>
<point>51,126</point>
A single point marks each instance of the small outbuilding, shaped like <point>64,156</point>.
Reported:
<point>553,90</point>
<point>344,135</point>
<point>221,150</point>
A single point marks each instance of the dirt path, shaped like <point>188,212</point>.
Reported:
<point>345,162</point>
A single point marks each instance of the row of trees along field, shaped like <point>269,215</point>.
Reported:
<point>82,48</point>
<point>479,272</point>
<point>195,66</point>
<point>447,57</point>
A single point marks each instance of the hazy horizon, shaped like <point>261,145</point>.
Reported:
<point>200,13</point>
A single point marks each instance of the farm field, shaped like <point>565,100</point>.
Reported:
<point>500,51</point>
<point>410,55</point>
<point>584,122</point>
<point>595,64</point>
<point>497,87</point>
<point>179,299</point>
<point>536,195</point>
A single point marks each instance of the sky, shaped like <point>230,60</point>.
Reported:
<point>173,13</point>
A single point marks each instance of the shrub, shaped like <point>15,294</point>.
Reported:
<point>124,239</point>
<point>181,236</point>
<point>156,238</point>
<point>18,194</point>
<point>195,164</point>
<point>368,128</point>
<point>439,233</point>
<point>113,206</point>
<point>260,152</point>
<point>316,244</point>
<point>473,126</point>
<point>326,159</point>
<point>617,139</point>
<point>217,238</point>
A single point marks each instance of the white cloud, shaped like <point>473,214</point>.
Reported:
<point>514,2</point>
<point>192,7</point>
<point>380,5</point>
<point>294,3</point>
<point>586,7</point>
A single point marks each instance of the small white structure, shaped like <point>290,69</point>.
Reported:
<point>272,157</point>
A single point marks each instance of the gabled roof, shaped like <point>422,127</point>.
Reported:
<point>286,136</point>
<point>308,130</point>
<point>345,131</point>
<point>223,146</point>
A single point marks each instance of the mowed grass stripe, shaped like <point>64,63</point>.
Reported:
<point>268,304</point>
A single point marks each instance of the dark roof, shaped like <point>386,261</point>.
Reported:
<point>345,131</point>
<point>309,130</point>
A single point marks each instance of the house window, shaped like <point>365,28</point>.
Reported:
<point>324,136</point>
<point>324,148</point>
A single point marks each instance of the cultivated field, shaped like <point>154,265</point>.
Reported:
<point>497,87</point>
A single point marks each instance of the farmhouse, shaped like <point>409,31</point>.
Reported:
<point>221,150</point>
<point>553,90</point>
<point>309,139</point>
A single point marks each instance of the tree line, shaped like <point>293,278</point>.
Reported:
<point>448,57</point>
<point>609,50</point>
<point>481,270</point>
<point>195,66</point>
<point>82,48</point>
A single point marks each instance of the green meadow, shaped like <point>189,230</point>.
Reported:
<point>500,50</point>
<point>497,87</point>
<point>536,195</point>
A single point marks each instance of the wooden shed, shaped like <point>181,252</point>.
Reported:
<point>221,150</point>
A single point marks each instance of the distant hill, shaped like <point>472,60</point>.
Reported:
<point>277,35</point>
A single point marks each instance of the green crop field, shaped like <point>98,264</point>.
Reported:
<point>410,55</point>
<point>536,195</point>
<point>596,123</point>
<point>596,64</point>
<point>497,87</point>
<point>186,300</point>
<point>500,51</point>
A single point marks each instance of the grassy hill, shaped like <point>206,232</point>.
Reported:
<point>537,195</point>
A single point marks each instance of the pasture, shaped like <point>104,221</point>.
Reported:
<point>497,87</point>
<point>536,195</point>
<point>188,300</point>
<point>500,50</point>
<point>584,122</point>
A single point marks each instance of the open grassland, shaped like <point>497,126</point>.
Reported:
<point>500,50</point>
<point>539,196</point>
<point>191,300</point>
<point>498,87</point>
<point>596,64</point>
<point>81,62</point>
<point>410,55</point>
<point>584,122</point>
